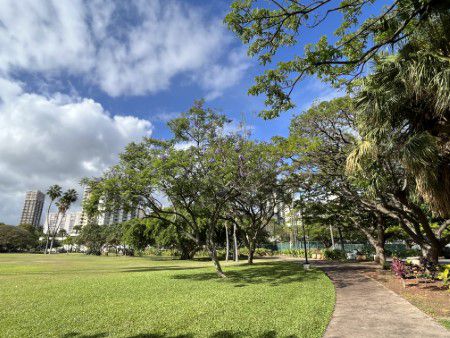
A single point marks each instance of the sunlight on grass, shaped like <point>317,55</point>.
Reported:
<point>83,296</point>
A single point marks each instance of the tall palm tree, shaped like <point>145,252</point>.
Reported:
<point>64,203</point>
<point>404,109</point>
<point>53,192</point>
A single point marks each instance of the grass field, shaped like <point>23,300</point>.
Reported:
<point>85,296</point>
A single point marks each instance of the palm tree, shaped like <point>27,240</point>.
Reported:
<point>53,192</point>
<point>404,109</point>
<point>64,203</point>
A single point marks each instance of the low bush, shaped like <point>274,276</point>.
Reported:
<point>152,251</point>
<point>403,253</point>
<point>399,268</point>
<point>444,275</point>
<point>334,255</point>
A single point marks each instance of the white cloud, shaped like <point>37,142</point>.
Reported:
<point>216,78</point>
<point>125,48</point>
<point>314,91</point>
<point>55,139</point>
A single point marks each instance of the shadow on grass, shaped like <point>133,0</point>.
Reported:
<point>218,334</point>
<point>160,268</point>
<point>81,335</point>
<point>274,274</point>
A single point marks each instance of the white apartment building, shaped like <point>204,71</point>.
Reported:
<point>108,217</point>
<point>66,222</point>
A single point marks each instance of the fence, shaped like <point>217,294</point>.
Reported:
<point>348,247</point>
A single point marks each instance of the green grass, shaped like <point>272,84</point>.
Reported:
<point>445,323</point>
<point>85,296</point>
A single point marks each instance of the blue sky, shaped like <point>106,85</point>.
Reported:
<point>81,79</point>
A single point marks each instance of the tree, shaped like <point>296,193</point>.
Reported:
<point>404,109</point>
<point>192,171</point>
<point>93,237</point>
<point>114,235</point>
<point>259,190</point>
<point>136,234</point>
<point>53,193</point>
<point>319,143</point>
<point>63,204</point>
<point>70,242</point>
<point>34,231</point>
<point>278,25</point>
<point>13,239</point>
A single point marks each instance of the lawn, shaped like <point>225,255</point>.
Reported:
<point>85,296</point>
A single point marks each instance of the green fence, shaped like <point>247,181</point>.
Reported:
<point>348,247</point>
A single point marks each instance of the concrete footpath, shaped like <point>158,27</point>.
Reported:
<point>364,308</point>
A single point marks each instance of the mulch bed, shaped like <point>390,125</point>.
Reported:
<point>430,296</point>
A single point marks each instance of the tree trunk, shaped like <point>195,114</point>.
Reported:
<point>211,246</point>
<point>251,245</point>
<point>341,239</point>
<point>332,236</point>
<point>227,252</point>
<point>430,252</point>
<point>377,242</point>
<point>46,243</point>
<point>380,254</point>
<point>236,249</point>
<point>51,244</point>
<point>48,227</point>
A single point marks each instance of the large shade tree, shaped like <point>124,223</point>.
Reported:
<point>254,207</point>
<point>186,181</point>
<point>320,143</point>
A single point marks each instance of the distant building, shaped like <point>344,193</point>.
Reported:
<point>118,216</point>
<point>84,217</point>
<point>67,222</point>
<point>107,217</point>
<point>32,208</point>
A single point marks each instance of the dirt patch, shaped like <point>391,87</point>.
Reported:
<point>431,297</point>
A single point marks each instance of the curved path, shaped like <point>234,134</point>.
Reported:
<point>365,308</point>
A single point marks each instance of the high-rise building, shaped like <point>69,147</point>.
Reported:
<point>107,217</point>
<point>32,208</point>
<point>66,222</point>
<point>84,216</point>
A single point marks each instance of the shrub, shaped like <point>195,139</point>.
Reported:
<point>398,267</point>
<point>444,275</point>
<point>334,255</point>
<point>429,269</point>
<point>263,252</point>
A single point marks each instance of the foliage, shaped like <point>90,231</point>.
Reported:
<point>444,275</point>
<point>136,234</point>
<point>399,268</point>
<point>14,239</point>
<point>187,185</point>
<point>64,202</point>
<point>334,254</point>
<point>270,27</point>
<point>259,191</point>
<point>404,107</point>
<point>93,237</point>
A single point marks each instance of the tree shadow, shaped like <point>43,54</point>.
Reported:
<point>218,334</point>
<point>81,335</point>
<point>274,274</point>
<point>160,268</point>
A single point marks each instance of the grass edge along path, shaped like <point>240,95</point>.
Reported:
<point>84,296</point>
